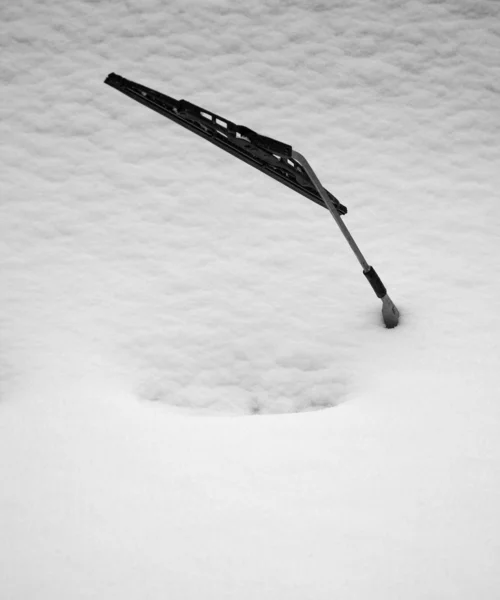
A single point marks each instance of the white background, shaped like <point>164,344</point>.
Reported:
<point>198,399</point>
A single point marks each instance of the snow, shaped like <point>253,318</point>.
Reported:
<point>198,398</point>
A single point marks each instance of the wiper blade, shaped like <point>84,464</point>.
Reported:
<point>272,157</point>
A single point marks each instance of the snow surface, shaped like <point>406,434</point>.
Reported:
<point>171,320</point>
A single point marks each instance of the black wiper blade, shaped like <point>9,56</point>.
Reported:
<point>272,157</point>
